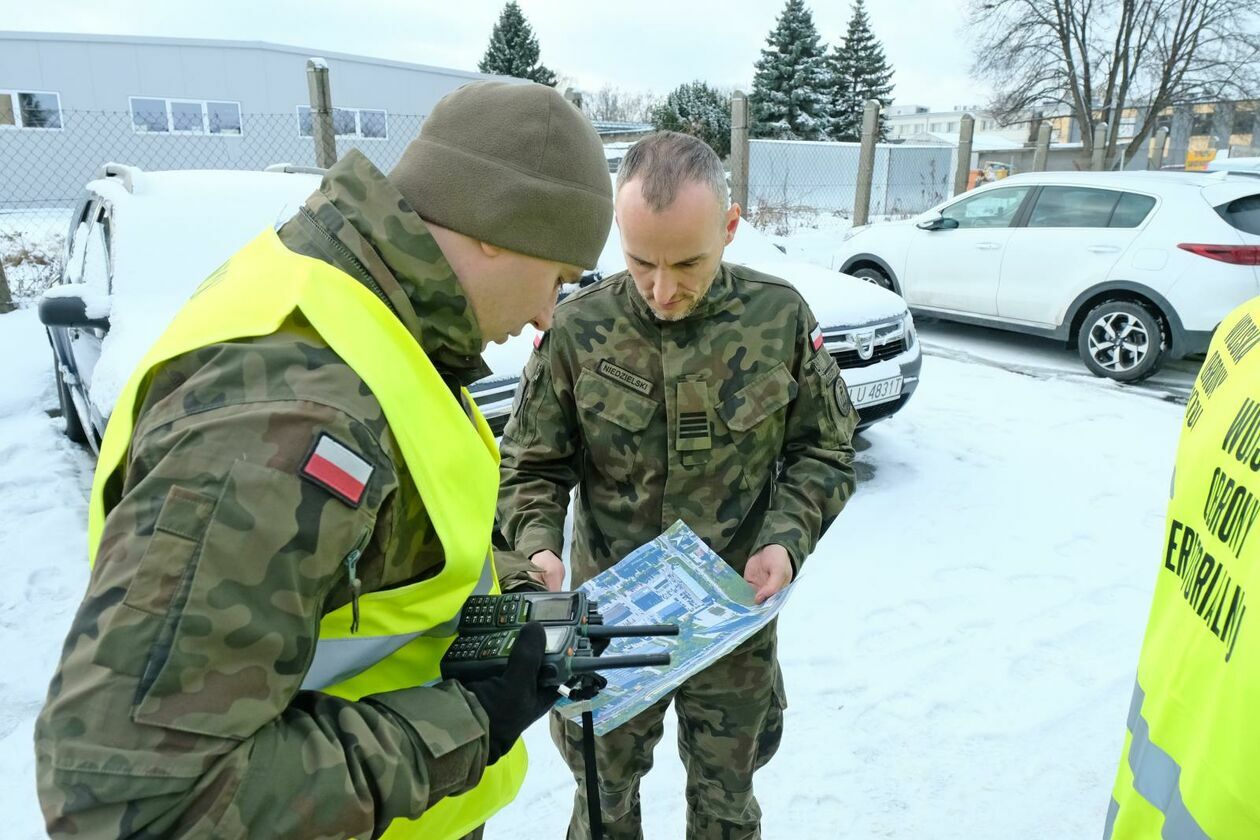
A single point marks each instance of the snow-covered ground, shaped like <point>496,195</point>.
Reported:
<point>44,483</point>
<point>959,654</point>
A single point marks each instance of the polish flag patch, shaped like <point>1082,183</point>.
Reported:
<point>816,339</point>
<point>538,340</point>
<point>337,469</point>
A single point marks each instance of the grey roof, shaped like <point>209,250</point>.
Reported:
<point>305,52</point>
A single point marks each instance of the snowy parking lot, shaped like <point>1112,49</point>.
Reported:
<point>959,653</point>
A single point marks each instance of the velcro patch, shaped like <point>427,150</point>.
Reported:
<point>842,397</point>
<point>539,339</point>
<point>633,381</point>
<point>816,338</point>
<point>338,469</point>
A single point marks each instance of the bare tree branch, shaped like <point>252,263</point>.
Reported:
<point>1099,58</point>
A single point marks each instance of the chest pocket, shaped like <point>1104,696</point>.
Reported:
<point>613,418</point>
<point>756,417</point>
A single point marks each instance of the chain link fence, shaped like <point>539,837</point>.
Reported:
<point>43,171</point>
<point>794,182</point>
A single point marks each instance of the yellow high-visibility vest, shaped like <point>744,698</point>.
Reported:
<point>1191,761</point>
<point>402,632</point>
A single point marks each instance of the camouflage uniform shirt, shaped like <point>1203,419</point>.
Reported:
<point>729,419</point>
<point>176,709</point>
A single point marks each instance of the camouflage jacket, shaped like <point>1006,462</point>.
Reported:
<point>729,419</point>
<point>219,440</point>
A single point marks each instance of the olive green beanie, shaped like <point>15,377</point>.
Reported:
<point>513,165</point>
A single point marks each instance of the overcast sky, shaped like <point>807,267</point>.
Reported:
<point>635,44</point>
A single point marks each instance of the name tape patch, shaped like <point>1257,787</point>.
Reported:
<point>619,374</point>
<point>337,469</point>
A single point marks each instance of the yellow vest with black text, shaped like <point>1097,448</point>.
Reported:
<point>1191,761</point>
<point>402,632</point>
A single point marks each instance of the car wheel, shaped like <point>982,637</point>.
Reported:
<point>875,277</point>
<point>74,426</point>
<point>1121,340</point>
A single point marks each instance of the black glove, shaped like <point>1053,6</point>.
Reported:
<point>513,700</point>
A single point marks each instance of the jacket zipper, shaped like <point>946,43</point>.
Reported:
<point>352,573</point>
<point>364,276</point>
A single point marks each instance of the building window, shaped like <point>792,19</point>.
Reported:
<point>1244,118</point>
<point>1201,123</point>
<point>367,123</point>
<point>184,116</point>
<point>30,109</point>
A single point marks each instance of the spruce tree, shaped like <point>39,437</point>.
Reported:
<point>859,71</point>
<point>699,110</point>
<point>513,49</point>
<point>790,88</point>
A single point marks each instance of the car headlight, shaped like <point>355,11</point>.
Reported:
<point>907,324</point>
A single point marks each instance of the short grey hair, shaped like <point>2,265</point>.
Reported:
<point>666,160</point>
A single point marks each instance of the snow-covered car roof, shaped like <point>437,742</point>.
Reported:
<point>169,231</point>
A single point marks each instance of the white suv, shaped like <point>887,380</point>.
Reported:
<point>1129,267</point>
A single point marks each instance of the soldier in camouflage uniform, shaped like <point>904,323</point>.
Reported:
<point>237,749</point>
<point>685,388</point>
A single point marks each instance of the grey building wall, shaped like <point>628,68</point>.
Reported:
<point>94,76</point>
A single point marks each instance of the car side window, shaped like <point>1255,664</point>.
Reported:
<point>1132,210</point>
<point>96,252</point>
<point>74,258</point>
<point>1076,207</point>
<point>990,209</point>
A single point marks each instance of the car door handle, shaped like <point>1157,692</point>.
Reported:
<point>988,246</point>
<point>1102,249</point>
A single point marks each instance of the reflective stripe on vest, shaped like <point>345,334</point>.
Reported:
<point>338,659</point>
<point>1190,768</point>
<point>1155,777</point>
<point>403,632</point>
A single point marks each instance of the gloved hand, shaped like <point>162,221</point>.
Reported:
<point>513,700</point>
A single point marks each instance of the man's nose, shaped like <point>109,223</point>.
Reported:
<point>664,288</point>
<point>542,320</point>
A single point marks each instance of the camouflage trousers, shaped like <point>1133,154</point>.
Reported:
<point>730,722</point>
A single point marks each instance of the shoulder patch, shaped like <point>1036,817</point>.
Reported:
<point>842,397</point>
<point>338,469</point>
<point>816,338</point>
<point>539,339</point>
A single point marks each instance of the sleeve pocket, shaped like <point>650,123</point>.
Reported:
<point>180,526</point>
<point>131,629</point>
<point>242,625</point>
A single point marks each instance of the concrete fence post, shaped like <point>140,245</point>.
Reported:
<point>1100,147</point>
<point>6,297</point>
<point>321,112</point>
<point>739,151</point>
<point>966,133</point>
<point>866,163</point>
<point>1155,155</point>
<point>1043,148</point>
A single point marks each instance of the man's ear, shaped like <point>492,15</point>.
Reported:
<point>489,250</point>
<point>732,222</point>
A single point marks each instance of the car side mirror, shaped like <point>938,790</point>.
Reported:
<point>74,306</point>
<point>938,223</point>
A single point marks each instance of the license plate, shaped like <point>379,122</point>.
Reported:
<point>872,393</point>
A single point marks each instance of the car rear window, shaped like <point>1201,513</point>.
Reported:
<point>1243,214</point>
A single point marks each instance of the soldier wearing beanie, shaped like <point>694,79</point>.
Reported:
<point>302,494</point>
